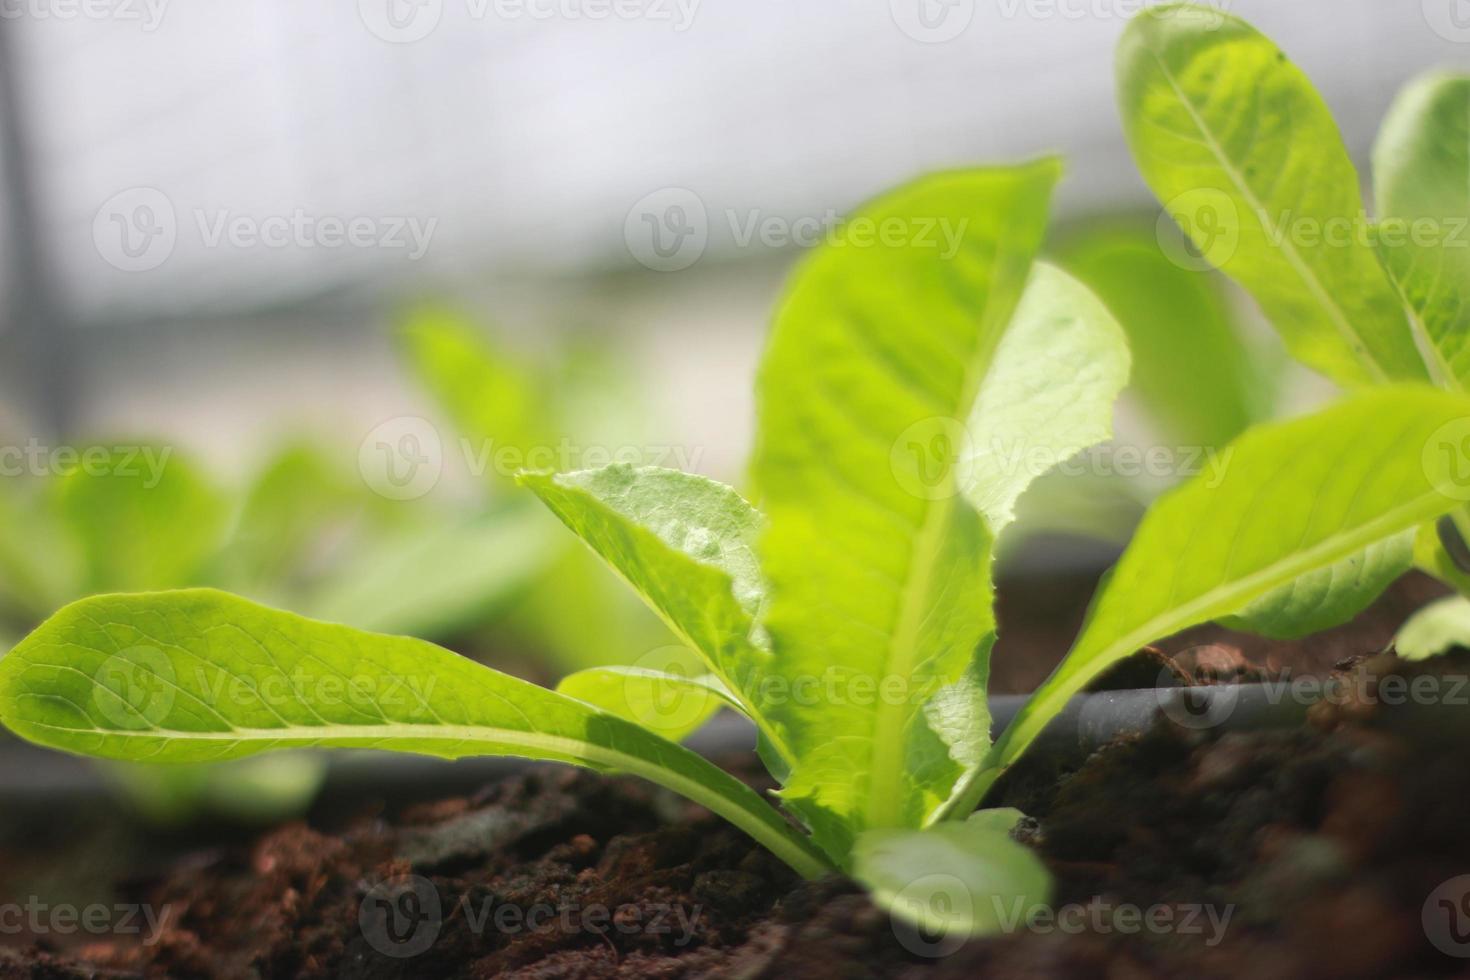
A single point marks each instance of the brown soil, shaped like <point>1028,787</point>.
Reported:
<point>1328,847</point>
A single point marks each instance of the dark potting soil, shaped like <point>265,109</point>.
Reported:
<point>1336,849</point>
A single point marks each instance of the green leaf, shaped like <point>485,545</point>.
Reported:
<point>879,567</point>
<point>686,545</point>
<point>673,705</point>
<point>264,789</point>
<point>41,562</point>
<point>1437,628</point>
<point>293,508</point>
<point>203,676</point>
<point>1329,596</point>
<point>1296,497</point>
<point>144,518</point>
<point>1244,153</point>
<point>956,879</point>
<point>490,396</point>
<point>1192,368</point>
<point>435,580</point>
<point>1421,175</point>
<point>1048,395</point>
<point>1431,555</point>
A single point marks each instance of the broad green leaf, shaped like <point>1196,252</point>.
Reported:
<point>1242,151</point>
<point>955,879</point>
<point>685,544</point>
<point>672,705</point>
<point>492,398</point>
<point>1328,596</point>
<point>1421,176</point>
<point>437,579</point>
<point>1437,628</point>
<point>203,676</point>
<point>1192,368</point>
<point>143,517</point>
<point>1048,395</point>
<point>1298,496</point>
<point>879,567</point>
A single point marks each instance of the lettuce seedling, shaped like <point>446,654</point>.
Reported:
<point>1244,153</point>
<point>849,618</point>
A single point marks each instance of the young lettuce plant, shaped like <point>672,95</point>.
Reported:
<point>1244,153</point>
<point>851,618</point>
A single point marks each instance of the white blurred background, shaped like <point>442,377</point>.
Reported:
<point>212,209</point>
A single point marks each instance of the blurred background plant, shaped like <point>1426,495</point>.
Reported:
<point>219,252</point>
